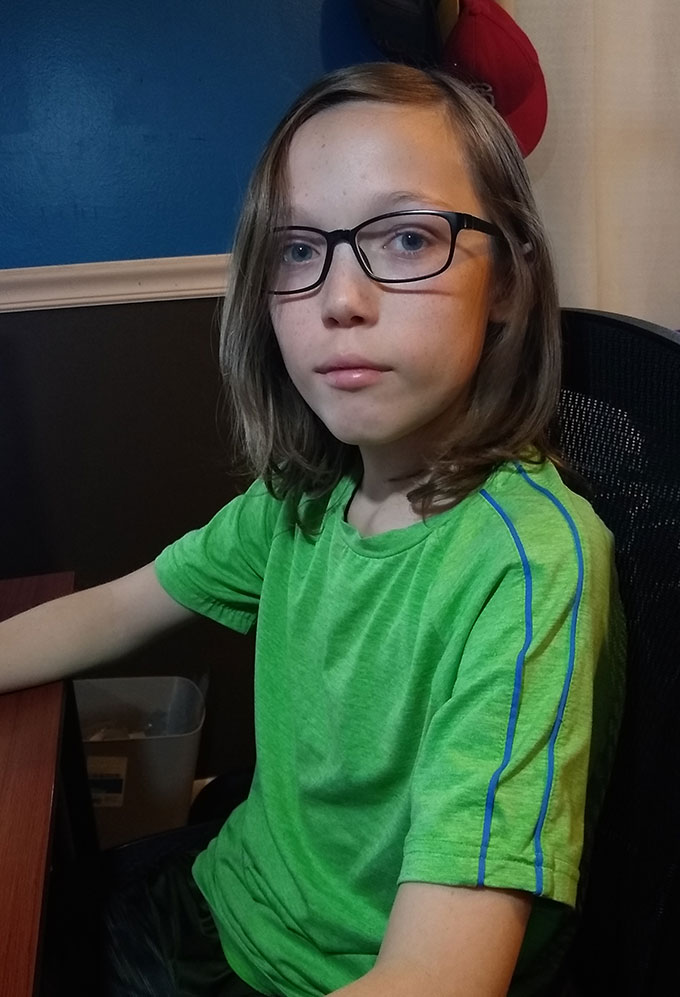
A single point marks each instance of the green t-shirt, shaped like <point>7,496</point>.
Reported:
<point>423,706</point>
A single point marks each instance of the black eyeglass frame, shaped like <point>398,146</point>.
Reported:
<point>458,221</point>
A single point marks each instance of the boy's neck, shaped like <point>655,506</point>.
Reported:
<point>370,518</point>
<point>380,503</point>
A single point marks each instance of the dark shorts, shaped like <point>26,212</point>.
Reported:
<point>161,939</point>
<point>147,929</point>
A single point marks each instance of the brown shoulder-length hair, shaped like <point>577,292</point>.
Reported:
<point>515,389</point>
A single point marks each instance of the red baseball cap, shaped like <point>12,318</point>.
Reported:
<point>488,49</point>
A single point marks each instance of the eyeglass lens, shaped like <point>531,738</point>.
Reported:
<point>401,247</point>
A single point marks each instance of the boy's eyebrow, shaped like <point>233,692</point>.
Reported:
<point>381,203</point>
<point>399,197</point>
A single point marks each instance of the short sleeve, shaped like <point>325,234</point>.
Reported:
<point>218,570</point>
<point>499,790</point>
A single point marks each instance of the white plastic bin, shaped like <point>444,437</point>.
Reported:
<point>141,738</point>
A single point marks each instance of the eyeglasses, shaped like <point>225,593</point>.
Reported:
<point>396,248</point>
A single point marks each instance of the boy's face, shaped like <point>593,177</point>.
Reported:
<point>384,366</point>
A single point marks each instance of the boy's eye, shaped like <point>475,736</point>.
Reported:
<point>298,252</point>
<point>297,247</point>
<point>409,242</point>
<point>404,239</point>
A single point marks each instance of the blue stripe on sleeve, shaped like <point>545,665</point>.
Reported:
<point>519,667</point>
<point>516,692</point>
<point>567,679</point>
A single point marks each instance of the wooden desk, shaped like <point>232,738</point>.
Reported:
<point>34,797</point>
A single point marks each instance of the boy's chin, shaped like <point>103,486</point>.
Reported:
<point>361,437</point>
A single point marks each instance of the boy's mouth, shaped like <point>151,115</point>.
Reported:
<point>350,362</point>
<point>350,373</point>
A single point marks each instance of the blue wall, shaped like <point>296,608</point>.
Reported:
<point>129,129</point>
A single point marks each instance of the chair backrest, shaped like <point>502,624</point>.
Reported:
<point>620,429</point>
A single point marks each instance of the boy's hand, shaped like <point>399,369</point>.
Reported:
<point>447,941</point>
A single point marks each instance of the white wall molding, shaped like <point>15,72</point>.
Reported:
<point>118,282</point>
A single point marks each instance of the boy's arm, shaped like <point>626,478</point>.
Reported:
<point>447,941</point>
<point>85,629</point>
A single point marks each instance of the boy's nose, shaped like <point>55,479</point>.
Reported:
<point>349,296</point>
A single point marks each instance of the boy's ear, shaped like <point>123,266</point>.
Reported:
<point>503,290</point>
<point>499,308</point>
<point>498,314</point>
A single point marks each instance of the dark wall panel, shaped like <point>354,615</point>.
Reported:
<point>110,448</point>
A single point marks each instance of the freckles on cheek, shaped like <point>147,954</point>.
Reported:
<point>281,335</point>
<point>286,323</point>
<point>274,318</point>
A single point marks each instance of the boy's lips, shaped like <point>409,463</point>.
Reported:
<point>351,362</point>
<point>349,373</point>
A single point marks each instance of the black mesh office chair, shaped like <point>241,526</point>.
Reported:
<point>620,428</point>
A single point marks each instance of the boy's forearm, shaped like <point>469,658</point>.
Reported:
<point>54,640</point>
<point>375,984</point>
<point>447,941</point>
<point>85,629</point>
<point>393,982</point>
<point>402,982</point>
